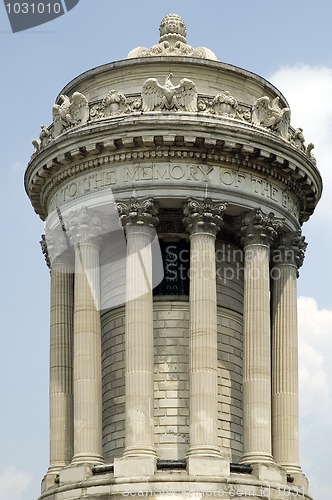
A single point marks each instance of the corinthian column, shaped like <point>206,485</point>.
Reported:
<point>139,219</point>
<point>84,227</point>
<point>61,344</point>
<point>203,220</point>
<point>285,441</point>
<point>258,231</point>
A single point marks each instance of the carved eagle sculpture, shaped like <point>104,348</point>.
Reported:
<point>168,96</point>
<point>271,115</point>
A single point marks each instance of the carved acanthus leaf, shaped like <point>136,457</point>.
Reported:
<point>84,226</point>
<point>138,212</point>
<point>259,228</point>
<point>291,249</point>
<point>203,215</point>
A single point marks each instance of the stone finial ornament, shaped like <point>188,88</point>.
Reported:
<point>172,28</point>
<point>168,96</point>
<point>172,42</point>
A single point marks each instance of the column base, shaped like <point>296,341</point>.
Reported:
<point>140,466</point>
<point>88,458</point>
<point>257,458</point>
<point>198,465</point>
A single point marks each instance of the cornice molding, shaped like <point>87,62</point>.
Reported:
<point>45,174</point>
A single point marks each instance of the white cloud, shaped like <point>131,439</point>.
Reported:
<point>315,374</point>
<point>315,347</point>
<point>308,90</point>
<point>13,483</point>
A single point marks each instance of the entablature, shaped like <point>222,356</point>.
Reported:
<point>140,141</point>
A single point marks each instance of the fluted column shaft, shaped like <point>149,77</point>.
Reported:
<point>61,365</point>
<point>84,227</point>
<point>258,232</point>
<point>139,219</point>
<point>203,220</point>
<point>285,401</point>
<point>139,344</point>
<point>203,346</point>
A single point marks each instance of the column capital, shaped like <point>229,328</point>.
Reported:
<point>259,228</point>
<point>290,249</point>
<point>203,216</point>
<point>44,250</point>
<point>138,212</point>
<point>84,226</point>
<point>56,248</point>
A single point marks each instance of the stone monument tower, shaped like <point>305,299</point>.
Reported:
<point>173,188</point>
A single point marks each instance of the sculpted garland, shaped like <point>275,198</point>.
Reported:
<point>76,111</point>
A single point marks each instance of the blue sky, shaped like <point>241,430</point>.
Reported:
<point>287,42</point>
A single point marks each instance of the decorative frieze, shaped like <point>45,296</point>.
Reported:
<point>77,110</point>
<point>184,96</point>
<point>115,103</point>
